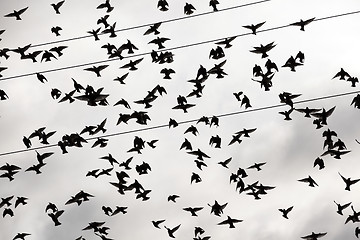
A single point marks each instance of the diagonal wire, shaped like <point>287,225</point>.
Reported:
<point>190,121</point>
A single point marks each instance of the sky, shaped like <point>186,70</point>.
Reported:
<point>289,148</point>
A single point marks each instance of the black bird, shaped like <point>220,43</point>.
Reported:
<point>21,200</point>
<point>319,162</point>
<point>230,221</point>
<point>215,140</point>
<point>31,56</point>
<point>167,72</point>
<point>47,56</point>
<point>189,9</point>
<point>56,30</point>
<point>21,236</point>
<point>132,64</point>
<point>309,180</point>
<point>57,6</point>
<point>287,114</point>
<point>8,211</point>
<point>263,49</point>
<point>96,69</point>
<point>193,210</point>
<point>217,208</point>
<point>163,5</point>
<point>171,231</point>
<point>335,153</point>
<point>172,198</point>
<point>106,5</point>
<point>17,14</point>
<point>225,162</point>
<point>119,209</point>
<point>195,177</point>
<point>159,41</point>
<point>6,201</point>
<point>314,236</point>
<point>110,30</point>
<point>200,154</point>
<point>257,166</point>
<point>200,164</point>
<point>292,64</point>
<point>342,74</point>
<point>353,81</point>
<point>357,232</point>
<point>55,217</point>
<point>286,211</point>
<point>254,27</point>
<point>58,50</point>
<point>157,222</point>
<point>186,144</point>
<point>340,207</point>
<point>302,23</point>
<point>322,116</point>
<point>153,29</point>
<point>101,142</point>
<point>213,4</point>
<point>41,77</point>
<point>308,111</point>
<point>110,158</point>
<point>95,33</point>
<point>129,46</point>
<point>173,123</point>
<point>245,101</point>
<point>3,95</point>
<point>122,78</point>
<point>348,181</point>
<point>123,102</point>
<point>52,207</point>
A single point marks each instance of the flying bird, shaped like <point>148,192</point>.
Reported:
<point>309,180</point>
<point>230,221</point>
<point>285,211</point>
<point>132,64</point>
<point>171,231</point>
<point>348,181</point>
<point>189,9</point>
<point>302,23</point>
<point>17,14</point>
<point>157,222</point>
<point>163,5</point>
<point>254,27</point>
<point>21,236</point>
<point>153,29</point>
<point>314,236</point>
<point>159,41</point>
<point>106,5</point>
<point>57,6</point>
<point>340,207</point>
<point>56,30</point>
<point>263,49</point>
<point>96,69</point>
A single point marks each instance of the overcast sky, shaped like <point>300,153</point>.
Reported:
<point>289,148</point>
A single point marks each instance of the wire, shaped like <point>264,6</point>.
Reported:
<point>188,121</point>
<point>168,49</point>
<point>150,24</point>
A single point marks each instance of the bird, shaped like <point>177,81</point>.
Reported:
<point>225,162</point>
<point>106,5</point>
<point>55,217</point>
<point>340,207</point>
<point>111,31</point>
<point>309,180</point>
<point>159,41</point>
<point>17,13</point>
<point>58,50</point>
<point>36,168</point>
<point>167,72</point>
<point>308,111</point>
<point>110,158</point>
<point>292,64</point>
<point>95,33</point>
<point>314,236</point>
<point>230,221</point>
<point>342,74</point>
<point>353,80</point>
<point>254,27</point>
<point>302,23</point>
<point>200,164</point>
<point>8,211</point>
<point>245,101</point>
<point>199,154</point>
<point>21,200</point>
<point>171,231</point>
<point>186,144</point>
<point>263,49</point>
<point>163,5</point>
<point>287,113</point>
<point>189,9</point>
<point>57,6</point>
<point>213,4</point>
<point>257,166</point>
<point>56,30</point>
<point>21,236</point>
<point>172,198</point>
<point>132,64</point>
<point>96,69</point>
<point>157,223</point>
<point>195,177</point>
<point>348,181</point>
<point>6,201</point>
<point>3,95</point>
<point>323,116</point>
<point>153,29</point>
<point>215,140</point>
<point>193,210</point>
<point>319,162</point>
<point>47,56</point>
<point>357,232</point>
<point>285,211</point>
<point>172,123</point>
<point>119,209</point>
<point>217,209</point>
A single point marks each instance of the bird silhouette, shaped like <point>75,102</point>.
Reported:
<point>302,23</point>
<point>55,217</point>
<point>292,64</point>
<point>254,27</point>
<point>17,13</point>
<point>153,29</point>
<point>95,33</point>
<point>340,207</point>
<point>106,5</point>
<point>314,236</point>
<point>118,210</point>
<point>213,4</point>
<point>58,50</point>
<point>342,74</point>
<point>157,223</point>
<point>189,9</point>
<point>159,41</point>
<point>323,116</point>
<point>217,209</point>
<point>6,201</point>
<point>263,49</point>
<point>319,162</point>
<point>195,177</point>
<point>56,30</point>
<point>167,72</point>
<point>285,211</point>
<point>110,30</point>
<point>225,162</point>
<point>96,69</point>
<point>8,211</point>
<point>3,95</point>
<point>47,56</point>
<point>171,231</point>
<point>132,64</point>
<point>163,5</point>
<point>20,200</point>
<point>309,180</point>
<point>193,210</point>
<point>257,166</point>
<point>230,221</point>
<point>172,198</point>
<point>57,6</point>
<point>21,236</point>
<point>348,182</point>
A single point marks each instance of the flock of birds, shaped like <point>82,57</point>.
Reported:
<point>333,145</point>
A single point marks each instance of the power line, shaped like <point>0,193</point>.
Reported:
<point>168,49</point>
<point>189,121</point>
<point>150,24</point>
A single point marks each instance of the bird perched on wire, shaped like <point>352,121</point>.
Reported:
<point>189,9</point>
<point>17,14</point>
<point>213,4</point>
